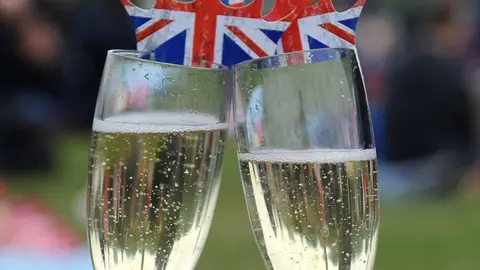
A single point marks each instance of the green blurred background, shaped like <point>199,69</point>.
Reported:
<point>414,234</point>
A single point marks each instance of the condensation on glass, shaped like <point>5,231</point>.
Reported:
<point>155,161</point>
<point>308,159</point>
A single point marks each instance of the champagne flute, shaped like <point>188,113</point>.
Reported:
<point>155,161</point>
<point>308,160</point>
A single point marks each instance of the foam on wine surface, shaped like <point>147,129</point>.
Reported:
<point>309,156</point>
<point>157,122</point>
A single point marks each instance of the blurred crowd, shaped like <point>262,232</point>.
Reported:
<point>421,61</point>
<point>52,54</point>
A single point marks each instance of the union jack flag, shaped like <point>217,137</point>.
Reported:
<point>321,26</point>
<point>230,32</point>
<point>207,30</point>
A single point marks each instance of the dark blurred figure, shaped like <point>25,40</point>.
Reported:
<point>377,36</point>
<point>476,5</point>
<point>30,51</point>
<point>52,54</point>
<point>96,27</point>
<point>428,113</point>
<point>90,28</point>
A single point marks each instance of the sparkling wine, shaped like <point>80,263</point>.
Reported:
<point>153,186</point>
<point>313,209</point>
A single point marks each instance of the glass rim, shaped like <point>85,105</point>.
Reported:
<point>250,61</point>
<point>124,54</point>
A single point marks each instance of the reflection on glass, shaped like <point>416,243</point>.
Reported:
<point>156,157</point>
<point>308,160</point>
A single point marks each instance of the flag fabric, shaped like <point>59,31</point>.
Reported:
<point>206,30</point>
<point>321,26</point>
<point>230,31</point>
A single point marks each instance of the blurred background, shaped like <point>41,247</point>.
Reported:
<point>421,61</point>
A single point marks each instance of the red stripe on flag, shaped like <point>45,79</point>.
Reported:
<point>339,32</point>
<point>245,39</point>
<point>291,40</point>
<point>152,29</point>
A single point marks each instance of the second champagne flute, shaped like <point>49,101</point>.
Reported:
<point>308,160</point>
<point>156,158</point>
